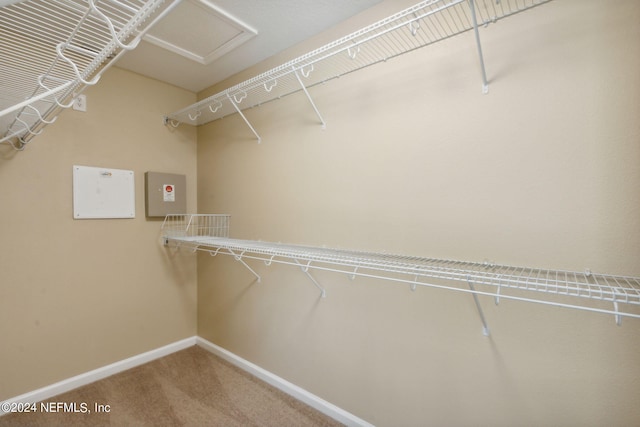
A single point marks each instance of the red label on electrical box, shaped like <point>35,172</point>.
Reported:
<point>169,195</point>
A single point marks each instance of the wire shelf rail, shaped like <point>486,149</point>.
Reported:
<point>421,25</point>
<point>603,293</point>
<point>53,50</point>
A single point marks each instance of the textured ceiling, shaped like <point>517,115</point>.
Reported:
<point>202,42</point>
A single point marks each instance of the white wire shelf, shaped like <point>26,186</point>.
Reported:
<point>603,293</point>
<point>52,50</point>
<point>421,25</point>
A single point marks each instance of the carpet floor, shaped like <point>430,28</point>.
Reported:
<point>191,387</point>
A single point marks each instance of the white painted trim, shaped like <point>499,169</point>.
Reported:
<point>245,33</point>
<point>293,390</point>
<point>98,374</point>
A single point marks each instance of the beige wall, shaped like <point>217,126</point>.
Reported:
<point>76,295</point>
<point>543,171</point>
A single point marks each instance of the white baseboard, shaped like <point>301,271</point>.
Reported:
<point>293,390</point>
<point>98,374</point>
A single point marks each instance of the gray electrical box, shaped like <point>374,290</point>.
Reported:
<point>165,193</point>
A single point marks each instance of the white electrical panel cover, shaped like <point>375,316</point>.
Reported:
<point>103,193</point>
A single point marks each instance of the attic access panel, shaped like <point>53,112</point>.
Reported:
<point>211,32</point>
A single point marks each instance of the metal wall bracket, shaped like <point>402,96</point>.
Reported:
<point>235,105</point>
<point>305,270</point>
<point>485,328</point>
<point>241,261</point>
<point>485,83</point>
<point>306,92</point>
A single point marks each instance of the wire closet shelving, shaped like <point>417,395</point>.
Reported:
<point>421,25</point>
<point>610,294</point>
<point>52,50</point>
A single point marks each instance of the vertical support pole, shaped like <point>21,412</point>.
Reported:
<point>244,118</point>
<point>485,328</point>
<point>324,125</point>
<point>485,84</point>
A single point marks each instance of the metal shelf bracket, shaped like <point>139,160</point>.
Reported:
<point>234,102</point>
<point>485,328</point>
<point>305,270</point>
<point>306,92</point>
<point>485,83</point>
<point>241,261</point>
